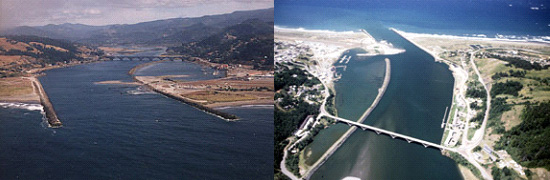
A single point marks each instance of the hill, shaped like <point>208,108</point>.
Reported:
<point>161,32</point>
<point>249,43</point>
<point>19,54</point>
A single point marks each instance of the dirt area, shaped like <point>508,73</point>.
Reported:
<point>17,89</point>
<point>7,45</point>
<point>217,92</point>
<point>216,96</point>
<point>466,173</point>
<point>511,118</point>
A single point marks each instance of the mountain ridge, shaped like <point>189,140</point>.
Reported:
<point>155,32</point>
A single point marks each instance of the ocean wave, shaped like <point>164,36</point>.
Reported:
<point>30,107</point>
<point>139,91</point>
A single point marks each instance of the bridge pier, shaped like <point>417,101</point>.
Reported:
<point>392,136</point>
<point>409,141</point>
<point>377,132</point>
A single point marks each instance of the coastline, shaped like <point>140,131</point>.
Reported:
<point>38,95</point>
<point>347,134</point>
<point>213,108</point>
<point>222,115</point>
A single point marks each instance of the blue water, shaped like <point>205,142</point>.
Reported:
<point>193,72</point>
<point>109,133</point>
<point>420,88</point>
<point>454,17</point>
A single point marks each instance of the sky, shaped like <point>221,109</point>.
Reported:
<point>103,12</point>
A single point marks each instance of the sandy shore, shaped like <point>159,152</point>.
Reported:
<point>327,47</point>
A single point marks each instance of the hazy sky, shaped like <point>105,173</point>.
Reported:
<point>102,12</point>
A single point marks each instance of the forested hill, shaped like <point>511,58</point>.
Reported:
<point>160,32</point>
<point>21,53</point>
<point>249,42</point>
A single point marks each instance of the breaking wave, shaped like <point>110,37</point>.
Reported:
<point>30,107</point>
<point>140,90</point>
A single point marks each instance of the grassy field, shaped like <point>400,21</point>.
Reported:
<point>10,87</point>
<point>214,96</point>
<point>511,118</point>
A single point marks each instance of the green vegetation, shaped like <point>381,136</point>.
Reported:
<point>476,90</point>
<point>287,77</point>
<point>292,164</point>
<point>462,161</point>
<point>511,73</point>
<point>518,62</point>
<point>528,143</point>
<point>48,54</point>
<point>249,43</point>
<point>504,174</point>
<point>509,87</point>
<point>286,122</point>
<point>498,106</point>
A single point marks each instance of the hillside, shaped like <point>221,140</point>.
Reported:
<point>161,32</point>
<point>247,43</point>
<point>19,54</point>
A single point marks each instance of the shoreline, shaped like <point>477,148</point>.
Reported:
<point>212,109</point>
<point>455,72</point>
<point>42,97</point>
<point>347,134</point>
<point>222,115</point>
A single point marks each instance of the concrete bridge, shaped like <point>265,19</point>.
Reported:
<point>142,58</point>
<point>409,139</point>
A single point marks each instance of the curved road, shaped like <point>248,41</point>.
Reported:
<point>466,149</point>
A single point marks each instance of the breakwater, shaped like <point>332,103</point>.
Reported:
<point>347,134</point>
<point>51,116</point>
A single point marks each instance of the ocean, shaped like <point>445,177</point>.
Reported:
<point>129,132</point>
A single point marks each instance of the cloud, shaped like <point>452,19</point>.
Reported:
<point>101,12</point>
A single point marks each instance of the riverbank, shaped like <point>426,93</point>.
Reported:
<point>326,47</point>
<point>343,138</point>
<point>461,76</point>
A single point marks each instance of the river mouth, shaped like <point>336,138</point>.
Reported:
<point>413,105</point>
<point>110,131</point>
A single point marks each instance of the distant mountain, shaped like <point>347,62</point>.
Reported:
<point>249,42</point>
<point>169,31</point>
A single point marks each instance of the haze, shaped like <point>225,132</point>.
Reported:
<point>103,12</point>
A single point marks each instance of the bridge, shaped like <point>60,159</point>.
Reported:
<point>409,139</point>
<point>142,58</point>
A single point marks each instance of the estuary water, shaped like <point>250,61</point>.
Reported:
<point>414,103</point>
<point>128,132</point>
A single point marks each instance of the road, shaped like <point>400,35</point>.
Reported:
<point>466,149</point>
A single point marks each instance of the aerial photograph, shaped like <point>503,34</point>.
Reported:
<point>451,89</point>
<point>136,89</point>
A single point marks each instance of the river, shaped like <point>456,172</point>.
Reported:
<point>129,132</point>
<point>414,104</point>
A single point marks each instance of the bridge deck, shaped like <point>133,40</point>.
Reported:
<point>392,134</point>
